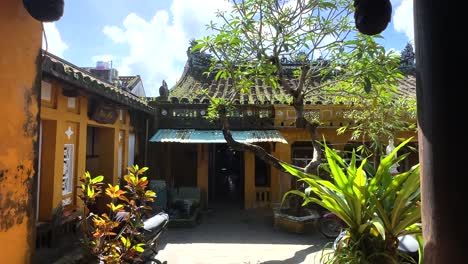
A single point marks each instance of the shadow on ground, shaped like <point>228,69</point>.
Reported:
<point>228,235</point>
<point>299,256</point>
<point>229,225</point>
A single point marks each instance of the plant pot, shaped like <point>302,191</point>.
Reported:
<point>284,219</point>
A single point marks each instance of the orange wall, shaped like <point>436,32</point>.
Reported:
<point>20,47</point>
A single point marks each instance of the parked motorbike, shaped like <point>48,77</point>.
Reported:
<point>330,225</point>
<point>151,231</point>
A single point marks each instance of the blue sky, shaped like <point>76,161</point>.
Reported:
<point>151,37</point>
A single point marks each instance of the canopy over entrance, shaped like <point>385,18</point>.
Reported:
<point>216,136</point>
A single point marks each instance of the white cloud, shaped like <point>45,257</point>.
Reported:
<point>55,43</point>
<point>115,33</point>
<point>157,48</point>
<point>403,19</point>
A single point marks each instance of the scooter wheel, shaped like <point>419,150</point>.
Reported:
<point>329,227</point>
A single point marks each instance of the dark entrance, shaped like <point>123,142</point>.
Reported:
<point>226,176</point>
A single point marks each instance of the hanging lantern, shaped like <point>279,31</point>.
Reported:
<point>45,10</point>
<point>372,16</point>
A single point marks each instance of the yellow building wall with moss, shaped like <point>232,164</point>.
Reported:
<point>19,86</point>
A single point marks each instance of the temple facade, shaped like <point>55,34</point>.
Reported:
<point>186,149</point>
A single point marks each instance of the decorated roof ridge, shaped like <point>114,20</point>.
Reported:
<point>130,81</point>
<point>81,78</point>
<point>193,89</point>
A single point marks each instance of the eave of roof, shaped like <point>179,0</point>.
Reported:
<point>82,79</point>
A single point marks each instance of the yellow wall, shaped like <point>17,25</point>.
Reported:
<point>57,108</point>
<point>20,46</point>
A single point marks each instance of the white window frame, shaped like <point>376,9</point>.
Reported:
<point>68,164</point>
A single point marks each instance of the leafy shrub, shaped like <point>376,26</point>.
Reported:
<point>377,208</point>
<point>113,237</point>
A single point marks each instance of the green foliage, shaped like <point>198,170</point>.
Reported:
<point>217,107</point>
<point>255,35</point>
<point>104,237</point>
<point>331,60</point>
<point>377,208</point>
<point>377,111</point>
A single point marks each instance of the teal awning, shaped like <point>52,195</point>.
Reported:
<point>216,136</point>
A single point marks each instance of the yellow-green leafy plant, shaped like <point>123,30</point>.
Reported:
<point>377,209</point>
<point>108,238</point>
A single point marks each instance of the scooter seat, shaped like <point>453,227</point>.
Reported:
<point>156,223</point>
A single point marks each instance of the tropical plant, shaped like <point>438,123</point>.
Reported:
<point>376,208</point>
<point>106,237</point>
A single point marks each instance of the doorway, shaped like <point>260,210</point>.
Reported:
<point>226,176</point>
<point>100,152</point>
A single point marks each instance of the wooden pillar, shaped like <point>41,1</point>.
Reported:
<point>168,164</point>
<point>442,153</point>
<point>19,108</point>
<point>82,138</point>
<point>202,172</point>
<point>49,135</point>
<point>284,180</point>
<point>249,180</point>
<point>275,177</point>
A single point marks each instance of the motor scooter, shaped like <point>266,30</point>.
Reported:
<point>151,232</point>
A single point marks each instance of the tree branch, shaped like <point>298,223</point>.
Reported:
<point>256,150</point>
<point>317,155</point>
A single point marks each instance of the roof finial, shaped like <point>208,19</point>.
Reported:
<point>163,90</point>
<point>407,58</point>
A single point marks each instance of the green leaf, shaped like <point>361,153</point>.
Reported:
<point>199,46</point>
<point>97,179</point>
<point>139,247</point>
<point>90,191</point>
<point>296,172</point>
<point>367,85</point>
<point>126,242</point>
<point>378,224</point>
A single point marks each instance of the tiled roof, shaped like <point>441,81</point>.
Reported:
<point>189,90</point>
<point>407,85</point>
<point>79,78</point>
<point>129,81</point>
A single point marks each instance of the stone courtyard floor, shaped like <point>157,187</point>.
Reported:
<point>234,236</point>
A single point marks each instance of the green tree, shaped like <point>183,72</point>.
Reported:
<point>330,57</point>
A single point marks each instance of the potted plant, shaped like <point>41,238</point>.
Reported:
<point>377,209</point>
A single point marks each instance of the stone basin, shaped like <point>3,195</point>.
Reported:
<point>283,219</point>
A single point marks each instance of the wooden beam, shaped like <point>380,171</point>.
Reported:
<point>438,51</point>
